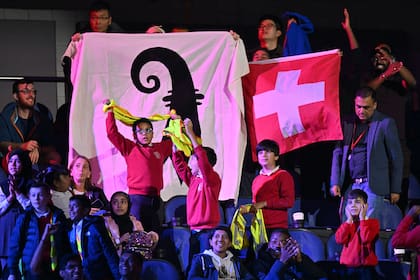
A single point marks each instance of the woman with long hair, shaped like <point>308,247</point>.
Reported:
<point>81,172</point>
<point>13,196</point>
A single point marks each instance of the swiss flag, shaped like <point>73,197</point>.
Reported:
<point>294,100</point>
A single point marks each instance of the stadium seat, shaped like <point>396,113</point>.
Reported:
<point>175,242</point>
<point>176,207</point>
<point>387,269</point>
<point>157,269</point>
<point>311,244</point>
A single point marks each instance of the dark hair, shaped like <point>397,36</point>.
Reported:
<point>385,47</point>
<point>122,194</point>
<point>284,231</point>
<point>39,185</point>
<point>51,174</point>
<point>15,87</point>
<point>69,257</point>
<point>268,145</point>
<point>25,160</point>
<point>274,18</point>
<point>211,155</point>
<point>358,193</point>
<point>364,92</point>
<point>100,5</point>
<point>139,259</point>
<point>221,227</point>
<point>139,121</point>
<point>82,200</point>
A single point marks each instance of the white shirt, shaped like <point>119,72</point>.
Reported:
<point>224,265</point>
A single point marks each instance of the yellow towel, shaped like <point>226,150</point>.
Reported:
<point>238,228</point>
<point>175,129</point>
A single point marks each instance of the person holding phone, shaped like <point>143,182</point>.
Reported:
<point>39,238</point>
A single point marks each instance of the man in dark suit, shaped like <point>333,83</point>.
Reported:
<point>369,157</point>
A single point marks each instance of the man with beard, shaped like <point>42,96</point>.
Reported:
<point>281,258</point>
<point>393,83</point>
<point>26,128</point>
<point>369,157</point>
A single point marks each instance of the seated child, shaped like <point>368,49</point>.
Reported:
<point>121,225</point>
<point>358,236</point>
<point>90,239</point>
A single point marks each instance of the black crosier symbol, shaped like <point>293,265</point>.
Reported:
<point>183,97</point>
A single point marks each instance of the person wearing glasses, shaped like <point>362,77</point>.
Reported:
<point>100,20</point>
<point>24,127</point>
<point>269,33</point>
<point>295,37</point>
<point>144,168</point>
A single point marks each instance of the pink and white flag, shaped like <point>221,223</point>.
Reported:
<point>197,73</point>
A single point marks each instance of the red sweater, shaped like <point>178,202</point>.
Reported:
<point>144,163</point>
<point>358,241</point>
<point>203,193</point>
<point>278,189</point>
<point>405,237</point>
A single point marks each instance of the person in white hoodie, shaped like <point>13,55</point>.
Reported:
<point>218,262</point>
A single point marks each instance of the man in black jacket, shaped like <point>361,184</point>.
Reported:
<point>281,258</point>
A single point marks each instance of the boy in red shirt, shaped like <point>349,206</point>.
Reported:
<point>358,236</point>
<point>203,190</point>
<point>273,190</point>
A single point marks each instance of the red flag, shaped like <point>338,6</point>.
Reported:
<point>294,100</point>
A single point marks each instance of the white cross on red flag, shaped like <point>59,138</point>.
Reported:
<point>294,100</point>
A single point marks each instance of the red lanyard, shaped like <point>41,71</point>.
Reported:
<point>356,141</point>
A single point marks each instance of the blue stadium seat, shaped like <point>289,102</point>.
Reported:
<point>380,250</point>
<point>387,269</point>
<point>157,269</point>
<point>333,248</point>
<point>176,245</point>
<point>176,207</point>
<point>311,244</point>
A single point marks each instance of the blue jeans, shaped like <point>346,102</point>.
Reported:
<point>145,209</point>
